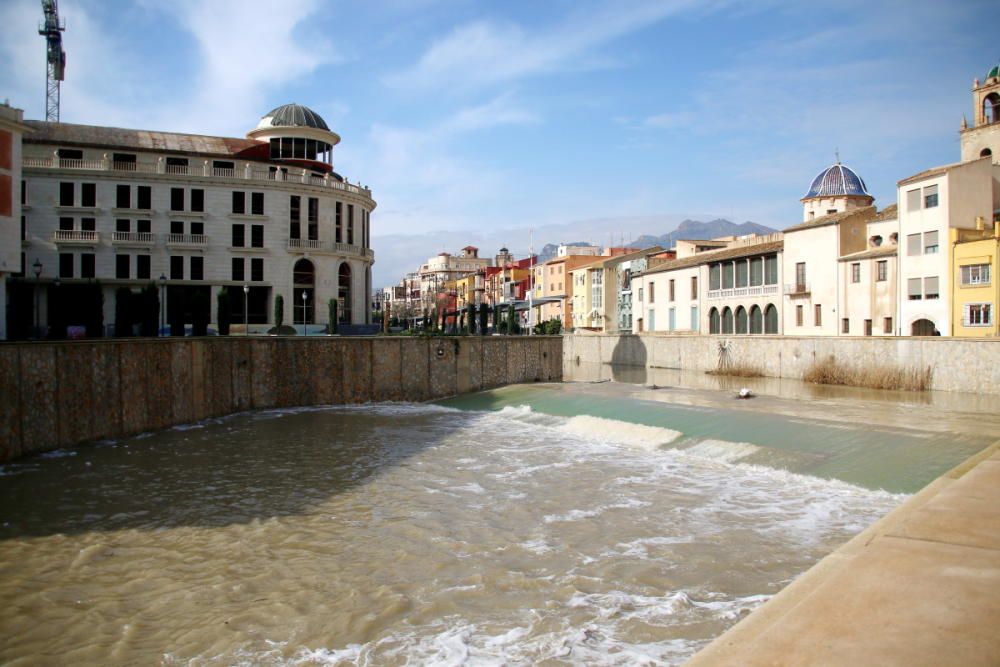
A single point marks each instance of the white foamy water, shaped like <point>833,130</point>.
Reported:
<point>405,534</point>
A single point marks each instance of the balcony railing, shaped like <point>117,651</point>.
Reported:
<point>304,244</point>
<point>75,236</point>
<point>757,290</point>
<point>247,172</point>
<point>190,240</point>
<point>133,238</point>
<point>798,289</point>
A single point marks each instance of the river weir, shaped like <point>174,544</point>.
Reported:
<point>574,523</point>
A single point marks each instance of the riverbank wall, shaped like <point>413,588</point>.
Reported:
<point>959,365</point>
<point>55,395</point>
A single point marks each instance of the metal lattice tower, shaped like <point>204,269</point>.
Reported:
<point>55,70</point>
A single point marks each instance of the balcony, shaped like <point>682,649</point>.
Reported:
<point>187,240</point>
<point>737,292</point>
<point>145,239</point>
<point>302,245</point>
<point>75,237</point>
<point>797,290</point>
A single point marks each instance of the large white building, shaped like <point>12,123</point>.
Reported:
<point>12,128</point>
<point>262,216</point>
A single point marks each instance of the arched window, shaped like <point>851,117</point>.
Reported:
<point>741,320</point>
<point>923,327</point>
<point>770,319</point>
<point>713,321</point>
<point>756,320</point>
<point>727,320</point>
<point>303,292</point>
<point>344,293</point>
<point>991,108</point>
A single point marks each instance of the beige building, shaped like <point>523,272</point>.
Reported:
<point>983,138</point>
<point>975,288</point>
<point>444,269</point>
<point>12,264</point>
<point>553,285</point>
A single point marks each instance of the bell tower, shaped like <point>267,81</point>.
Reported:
<point>982,139</point>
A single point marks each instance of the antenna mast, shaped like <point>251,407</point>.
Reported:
<point>55,69</point>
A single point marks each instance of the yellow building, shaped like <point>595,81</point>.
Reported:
<point>975,263</point>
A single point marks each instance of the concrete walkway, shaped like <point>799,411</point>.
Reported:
<point>919,587</point>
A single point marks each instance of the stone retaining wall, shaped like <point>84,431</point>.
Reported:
<point>56,395</point>
<point>956,364</point>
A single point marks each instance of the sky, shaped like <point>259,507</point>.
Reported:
<point>473,119</point>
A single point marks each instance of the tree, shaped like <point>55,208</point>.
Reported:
<point>484,314</point>
<point>201,313</point>
<point>334,320</point>
<point>279,311</point>
<point>223,311</point>
<point>149,309</point>
<point>124,308</point>
<point>513,327</point>
<point>471,318</point>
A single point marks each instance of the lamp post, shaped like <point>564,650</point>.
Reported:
<point>305,315</point>
<point>246,309</point>
<point>163,303</point>
<point>37,266</point>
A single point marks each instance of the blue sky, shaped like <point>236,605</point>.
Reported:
<point>465,115</point>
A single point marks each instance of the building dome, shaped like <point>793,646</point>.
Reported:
<point>837,181</point>
<point>293,115</point>
<point>993,72</point>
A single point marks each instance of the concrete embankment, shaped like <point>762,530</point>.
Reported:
<point>956,364</point>
<point>56,395</point>
<point>919,587</point>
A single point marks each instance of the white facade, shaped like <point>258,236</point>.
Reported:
<point>195,215</point>
<point>12,129</point>
<point>669,300</point>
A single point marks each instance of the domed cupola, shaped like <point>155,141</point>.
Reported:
<point>297,135</point>
<point>836,189</point>
<point>993,73</point>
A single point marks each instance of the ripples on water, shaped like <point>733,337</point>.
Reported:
<point>395,534</point>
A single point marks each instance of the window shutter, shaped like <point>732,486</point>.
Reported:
<point>913,286</point>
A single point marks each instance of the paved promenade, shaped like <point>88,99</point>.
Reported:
<point>919,587</point>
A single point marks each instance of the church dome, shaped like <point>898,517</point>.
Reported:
<point>993,72</point>
<point>293,115</point>
<point>836,181</point>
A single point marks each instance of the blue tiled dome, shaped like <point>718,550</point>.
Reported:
<point>835,181</point>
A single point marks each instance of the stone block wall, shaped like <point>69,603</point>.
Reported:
<point>61,394</point>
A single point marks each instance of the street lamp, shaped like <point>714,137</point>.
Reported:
<point>305,315</point>
<point>163,303</point>
<point>246,309</point>
<point>37,266</point>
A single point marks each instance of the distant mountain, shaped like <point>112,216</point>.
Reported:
<point>550,249</point>
<point>693,229</point>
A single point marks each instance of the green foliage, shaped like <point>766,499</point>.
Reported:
<point>124,310</point>
<point>223,311</point>
<point>470,318</point>
<point>484,315</point>
<point>551,327</point>
<point>279,311</point>
<point>201,313</point>
<point>333,305</point>
<point>513,326</point>
<point>148,303</point>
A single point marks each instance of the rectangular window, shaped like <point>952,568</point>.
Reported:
<point>913,289</point>
<point>887,325</point>
<point>176,267</point>
<point>930,196</point>
<point>143,226</point>
<point>845,325</point>
<point>124,161</point>
<point>257,269</point>
<point>695,325</point>
<point>88,265</point>
<point>70,154</point>
<point>727,275</point>
<point>257,203</point>
<point>88,224</point>
<point>977,315</point>
<point>882,270</point>
<point>313,219</point>
<point>257,236</point>
<point>144,195</point>
<point>771,270</point>
<point>197,268</point>
<point>123,226</point>
<point>176,199</point>
<point>239,203</point>
<point>856,272</point>
<point>198,228</point>
<point>66,224</point>
<point>238,268</point>
<point>65,194</point>
<point>295,217</point>
<point>24,233</point>
<point>122,267</point>
<point>868,327</point>
<point>176,227</point>
<point>671,289</point>
<point>142,267</point>
<point>818,315</point>
<point>88,194</point>
<point>224,165</point>
<point>912,244</point>
<point>350,224</point>
<point>123,196</point>
<point>238,236</point>
<point>976,274</point>
<point>198,200</point>
<point>651,293</point>
<point>931,287</point>
<point>24,193</point>
<point>65,265</point>
<point>339,222</point>
<point>177,165</point>
<point>799,318</point>
<point>930,243</point>
<point>714,277</point>
<point>800,277</point>
<point>913,200</point>
<point>756,271</point>
<point>742,275</point>
<point>640,291</point>
<point>694,288</point>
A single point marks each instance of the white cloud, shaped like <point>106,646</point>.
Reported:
<point>671,120</point>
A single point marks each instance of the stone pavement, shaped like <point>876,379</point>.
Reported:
<point>919,587</point>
